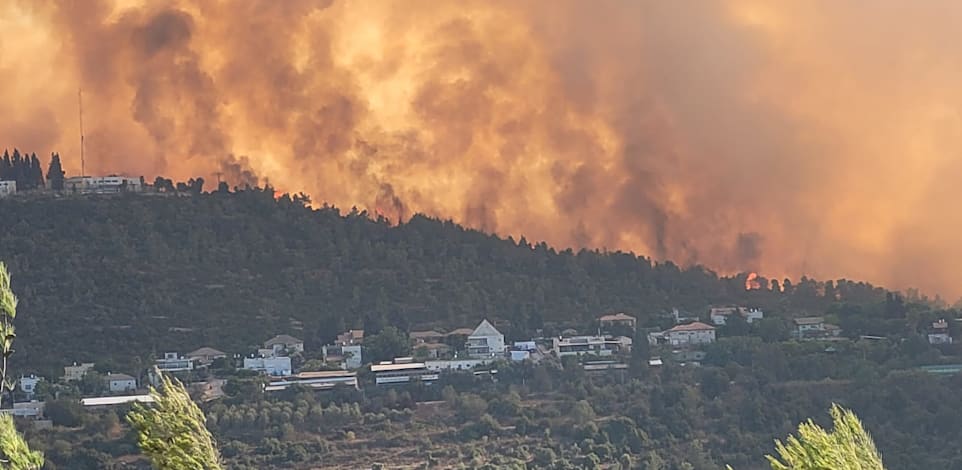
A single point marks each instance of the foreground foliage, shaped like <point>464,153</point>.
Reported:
<point>172,431</point>
<point>847,446</point>
<point>16,454</point>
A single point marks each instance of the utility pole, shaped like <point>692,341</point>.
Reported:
<point>80,103</point>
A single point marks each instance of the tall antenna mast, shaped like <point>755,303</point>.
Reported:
<point>80,102</point>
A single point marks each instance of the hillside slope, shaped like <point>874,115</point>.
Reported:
<point>129,276</point>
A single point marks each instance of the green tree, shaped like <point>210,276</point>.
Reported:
<point>16,453</point>
<point>387,344</point>
<point>173,431</point>
<point>847,446</point>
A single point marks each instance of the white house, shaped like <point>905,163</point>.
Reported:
<point>597,345</point>
<point>485,341</point>
<point>939,334</point>
<point>7,188</point>
<point>76,373</point>
<point>518,356</point>
<point>281,344</point>
<point>28,385</point>
<point>274,366</point>
<point>118,383</point>
<point>352,356</point>
<point>719,315</point>
<point>617,320</point>
<point>809,326</point>
<point>525,346</point>
<point>684,335</point>
<point>26,409</point>
<point>173,362</point>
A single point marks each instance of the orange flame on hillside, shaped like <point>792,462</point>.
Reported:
<point>752,282</point>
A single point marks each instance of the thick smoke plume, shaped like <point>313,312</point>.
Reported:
<point>819,138</point>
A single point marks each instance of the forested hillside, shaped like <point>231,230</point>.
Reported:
<point>130,276</point>
<point>120,279</point>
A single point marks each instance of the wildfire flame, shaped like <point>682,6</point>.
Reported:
<point>752,282</point>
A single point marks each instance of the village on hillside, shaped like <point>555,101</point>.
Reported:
<point>343,364</point>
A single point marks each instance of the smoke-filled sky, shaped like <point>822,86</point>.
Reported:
<point>792,137</point>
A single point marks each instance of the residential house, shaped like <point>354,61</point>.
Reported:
<point>518,356</point>
<point>28,385</point>
<point>596,345</point>
<point>465,332</point>
<point>524,346</point>
<point>352,356</point>
<point>75,373</point>
<point>684,335</point>
<point>402,371</point>
<point>617,321</point>
<point>173,362</point>
<point>205,356</point>
<point>809,326</point>
<point>119,383</point>
<point>323,380</point>
<point>284,344</point>
<point>485,341</point>
<point>719,315</point>
<point>350,337</point>
<point>939,333</point>
<point>273,366</point>
<point>8,188</point>
<point>27,409</point>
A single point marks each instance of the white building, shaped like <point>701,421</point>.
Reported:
<point>76,373</point>
<point>352,356</point>
<point>597,345</point>
<point>27,409</point>
<point>809,326</point>
<point>28,385</point>
<point>518,356</point>
<point>402,371</point>
<point>274,366</point>
<point>8,188</point>
<point>112,401</point>
<point>939,334</point>
<point>118,383</point>
<point>112,184</point>
<point>456,364</point>
<point>719,315</point>
<point>173,362</point>
<point>284,344</point>
<point>323,380</point>
<point>525,346</point>
<point>684,335</point>
<point>485,341</point>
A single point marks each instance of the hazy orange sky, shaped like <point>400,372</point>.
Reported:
<point>792,137</point>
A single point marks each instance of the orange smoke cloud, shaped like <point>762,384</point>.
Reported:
<point>791,138</point>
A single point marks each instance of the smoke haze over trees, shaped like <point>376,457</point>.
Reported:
<point>792,138</point>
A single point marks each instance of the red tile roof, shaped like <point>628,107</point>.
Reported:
<point>694,326</point>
